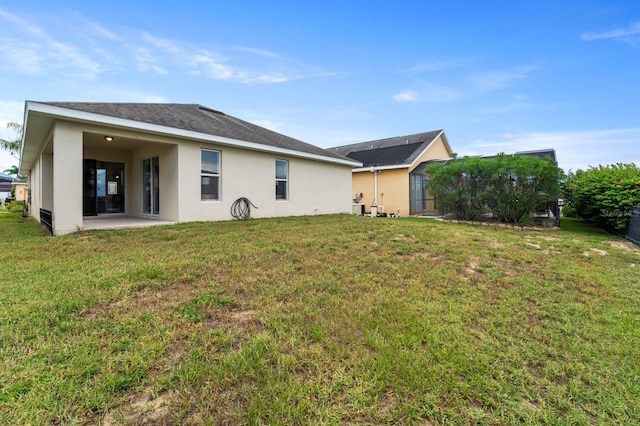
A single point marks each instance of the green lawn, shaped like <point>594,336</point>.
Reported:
<point>319,320</point>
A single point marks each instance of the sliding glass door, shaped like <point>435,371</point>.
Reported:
<point>103,188</point>
<point>151,186</point>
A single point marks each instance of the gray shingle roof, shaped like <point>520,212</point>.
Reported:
<point>390,151</point>
<point>197,118</point>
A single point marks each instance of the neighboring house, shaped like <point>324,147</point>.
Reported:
<point>174,162</point>
<point>5,187</point>
<point>20,189</point>
<point>391,179</point>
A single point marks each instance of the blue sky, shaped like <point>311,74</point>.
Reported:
<point>497,76</point>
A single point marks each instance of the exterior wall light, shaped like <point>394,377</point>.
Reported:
<point>108,138</point>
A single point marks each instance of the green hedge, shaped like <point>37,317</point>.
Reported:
<point>604,195</point>
<point>511,187</point>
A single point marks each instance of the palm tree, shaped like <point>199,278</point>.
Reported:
<point>13,171</point>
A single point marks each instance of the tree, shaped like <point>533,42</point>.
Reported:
<point>604,195</point>
<point>12,171</point>
<point>13,144</point>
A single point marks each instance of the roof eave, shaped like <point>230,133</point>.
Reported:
<point>378,168</point>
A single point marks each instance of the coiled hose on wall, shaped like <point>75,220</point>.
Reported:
<point>241,208</point>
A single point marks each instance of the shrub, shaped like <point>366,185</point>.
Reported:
<point>604,195</point>
<point>569,211</point>
<point>454,186</point>
<point>511,187</point>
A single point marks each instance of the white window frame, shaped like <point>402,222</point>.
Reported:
<point>211,174</point>
<point>285,180</point>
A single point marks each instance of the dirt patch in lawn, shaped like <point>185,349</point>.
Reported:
<point>624,245</point>
<point>142,410</point>
<point>145,301</point>
<point>594,251</point>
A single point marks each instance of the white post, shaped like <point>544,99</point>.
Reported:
<point>374,205</point>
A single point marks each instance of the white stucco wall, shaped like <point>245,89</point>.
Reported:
<point>67,178</point>
<point>313,188</point>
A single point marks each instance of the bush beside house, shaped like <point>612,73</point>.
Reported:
<point>603,195</point>
<point>512,188</point>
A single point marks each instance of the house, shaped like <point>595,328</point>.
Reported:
<point>169,163</point>
<point>391,179</point>
<point>5,187</point>
<point>20,189</point>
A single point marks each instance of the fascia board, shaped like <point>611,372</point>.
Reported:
<point>374,168</point>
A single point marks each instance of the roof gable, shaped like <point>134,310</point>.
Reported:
<point>399,150</point>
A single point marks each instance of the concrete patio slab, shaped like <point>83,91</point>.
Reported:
<point>120,222</point>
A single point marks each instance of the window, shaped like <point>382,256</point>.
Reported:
<point>282,173</point>
<point>209,175</point>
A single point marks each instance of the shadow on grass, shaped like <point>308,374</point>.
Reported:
<point>579,226</point>
<point>14,227</point>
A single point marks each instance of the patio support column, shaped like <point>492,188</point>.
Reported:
<point>67,178</point>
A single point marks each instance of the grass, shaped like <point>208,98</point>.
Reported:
<point>319,320</point>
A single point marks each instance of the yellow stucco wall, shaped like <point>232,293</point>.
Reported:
<point>436,151</point>
<point>394,183</point>
<point>393,190</point>
<point>21,191</point>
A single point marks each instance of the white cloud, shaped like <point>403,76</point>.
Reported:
<point>146,60</point>
<point>163,44</point>
<point>469,86</point>
<point>630,34</point>
<point>102,31</point>
<point>433,66</point>
<point>21,24</point>
<point>406,96</point>
<point>490,81</point>
<point>42,54</point>
<point>259,52</point>
<point>93,49</point>
<point>265,67</point>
